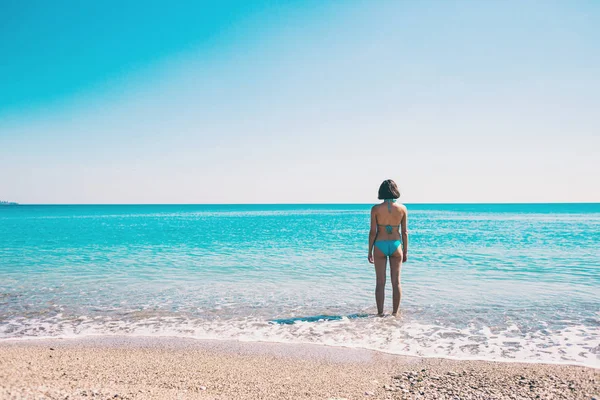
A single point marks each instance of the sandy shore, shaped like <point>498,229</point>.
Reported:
<point>135,368</point>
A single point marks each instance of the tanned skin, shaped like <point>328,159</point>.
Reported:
<point>380,215</point>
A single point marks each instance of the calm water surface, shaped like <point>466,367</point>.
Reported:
<point>502,282</point>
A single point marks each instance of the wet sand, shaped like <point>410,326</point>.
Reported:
<point>172,368</point>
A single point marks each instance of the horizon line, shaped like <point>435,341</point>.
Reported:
<point>316,204</point>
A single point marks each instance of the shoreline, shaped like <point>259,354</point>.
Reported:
<point>151,340</point>
<point>169,367</point>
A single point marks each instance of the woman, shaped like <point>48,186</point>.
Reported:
<point>388,239</point>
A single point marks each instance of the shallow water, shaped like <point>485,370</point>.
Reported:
<point>503,282</point>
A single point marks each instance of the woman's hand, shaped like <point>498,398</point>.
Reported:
<point>404,257</point>
<point>370,258</point>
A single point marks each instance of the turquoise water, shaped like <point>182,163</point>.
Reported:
<point>503,282</point>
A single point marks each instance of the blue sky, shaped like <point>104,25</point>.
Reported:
<point>299,101</point>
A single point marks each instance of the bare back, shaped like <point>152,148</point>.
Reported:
<point>389,214</point>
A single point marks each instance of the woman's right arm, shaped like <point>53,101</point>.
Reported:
<point>404,227</point>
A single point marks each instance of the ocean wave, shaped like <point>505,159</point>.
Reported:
<point>576,344</point>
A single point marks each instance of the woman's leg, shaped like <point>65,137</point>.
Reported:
<point>395,269</point>
<point>380,265</point>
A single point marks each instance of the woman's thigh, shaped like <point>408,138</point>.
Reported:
<point>380,261</point>
<point>395,267</point>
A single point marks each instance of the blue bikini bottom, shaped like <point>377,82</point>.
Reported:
<point>388,247</point>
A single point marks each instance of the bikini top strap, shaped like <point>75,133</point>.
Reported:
<point>388,228</point>
<point>389,204</point>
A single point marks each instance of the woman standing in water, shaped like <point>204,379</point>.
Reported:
<point>388,239</point>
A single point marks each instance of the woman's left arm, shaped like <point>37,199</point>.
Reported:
<point>372,234</point>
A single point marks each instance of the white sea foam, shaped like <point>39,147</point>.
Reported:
<point>573,345</point>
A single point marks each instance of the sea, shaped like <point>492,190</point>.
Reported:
<point>505,282</point>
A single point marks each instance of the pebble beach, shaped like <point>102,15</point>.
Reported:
<point>138,368</point>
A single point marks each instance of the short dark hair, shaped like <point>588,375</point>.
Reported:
<point>388,190</point>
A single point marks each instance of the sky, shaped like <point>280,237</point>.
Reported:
<point>299,101</point>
